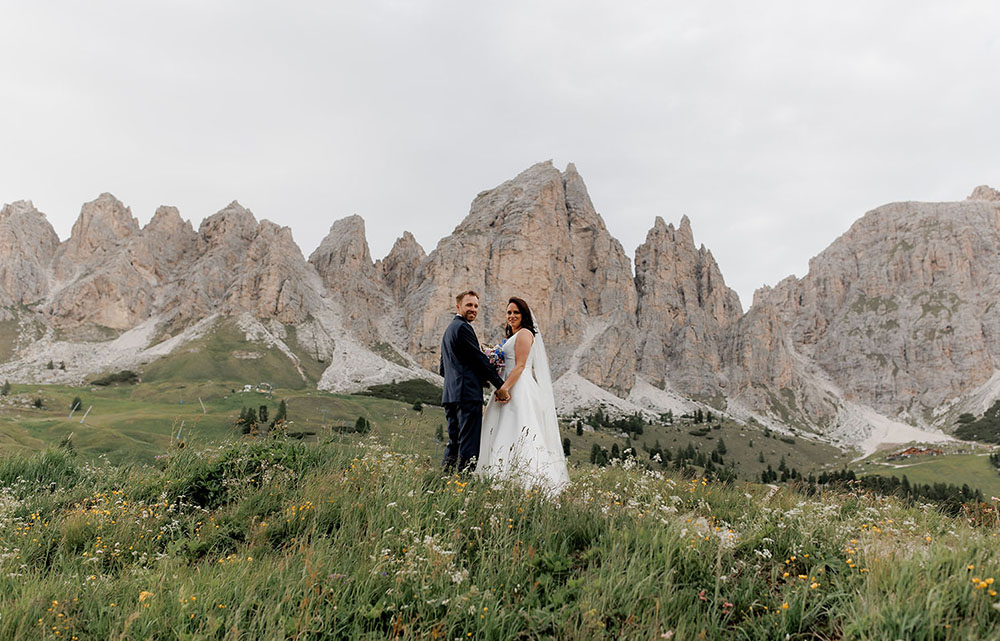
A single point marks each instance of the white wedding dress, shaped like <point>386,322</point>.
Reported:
<point>520,439</point>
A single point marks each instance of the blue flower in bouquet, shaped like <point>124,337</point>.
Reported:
<point>495,356</point>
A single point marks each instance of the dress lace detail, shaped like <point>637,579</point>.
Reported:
<point>520,438</point>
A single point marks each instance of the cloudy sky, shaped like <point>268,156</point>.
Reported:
<point>772,125</point>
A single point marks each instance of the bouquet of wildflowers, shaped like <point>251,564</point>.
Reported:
<point>495,355</point>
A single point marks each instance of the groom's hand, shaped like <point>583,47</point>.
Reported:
<point>502,395</point>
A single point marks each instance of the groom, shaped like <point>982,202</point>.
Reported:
<point>465,369</point>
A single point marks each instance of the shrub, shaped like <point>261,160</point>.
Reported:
<point>412,391</point>
<point>126,376</point>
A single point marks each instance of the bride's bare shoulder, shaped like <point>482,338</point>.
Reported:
<point>524,335</point>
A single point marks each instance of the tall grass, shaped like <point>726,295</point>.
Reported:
<point>351,540</point>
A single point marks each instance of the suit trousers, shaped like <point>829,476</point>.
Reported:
<point>465,425</point>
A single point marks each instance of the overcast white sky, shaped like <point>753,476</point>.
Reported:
<point>772,125</point>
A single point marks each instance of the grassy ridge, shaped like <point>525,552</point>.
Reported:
<point>348,540</point>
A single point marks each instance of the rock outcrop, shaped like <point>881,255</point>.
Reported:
<point>984,192</point>
<point>901,311</point>
<point>27,245</point>
<point>398,270</point>
<point>345,264</point>
<point>685,311</point>
<point>97,280</point>
<point>240,265</point>
<point>101,229</point>
<point>273,280</point>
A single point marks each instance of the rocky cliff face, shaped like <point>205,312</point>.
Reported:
<point>901,311</point>
<point>27,244</point>
<point>97,280</point>
<point>345,264</point>
<point>537,237</point>
<point>235,264</point>
<point>685,310</point>
<point>399,268</point>
<point>984,192</point>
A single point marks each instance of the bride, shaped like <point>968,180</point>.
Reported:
<point>520,438</point>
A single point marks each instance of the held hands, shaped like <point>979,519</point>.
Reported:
<point>502,395</point>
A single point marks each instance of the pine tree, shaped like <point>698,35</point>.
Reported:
<point>566,445</point>
<point>262,414</point>
<point>75,405</point>
<point>579,427</point>
<point>721,447</point>
<point>282,414</point>
<point>5,390</point>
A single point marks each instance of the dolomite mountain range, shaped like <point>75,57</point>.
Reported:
<point>893,331</point>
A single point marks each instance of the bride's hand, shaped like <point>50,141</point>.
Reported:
<point>502,395</point>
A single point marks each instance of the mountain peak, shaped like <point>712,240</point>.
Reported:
<point>103,224</point>
<point>984,192</point>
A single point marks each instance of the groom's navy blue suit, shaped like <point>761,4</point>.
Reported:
<point>465,369</point>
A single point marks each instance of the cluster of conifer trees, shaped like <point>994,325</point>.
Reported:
<point>985,428</point>
<point>255,420</point>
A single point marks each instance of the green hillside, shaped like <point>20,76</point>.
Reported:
<point>224,354</point>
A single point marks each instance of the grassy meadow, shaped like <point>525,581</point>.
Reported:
<point>973,470</point>
<point>350,538</point>
<point>134,423</point>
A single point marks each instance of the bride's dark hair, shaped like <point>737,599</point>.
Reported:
<point>527,322</point>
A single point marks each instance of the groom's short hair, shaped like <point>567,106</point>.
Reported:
<point>471,292</point>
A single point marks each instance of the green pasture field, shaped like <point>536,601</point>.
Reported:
<point>134,423</point>
<point>973,470</point>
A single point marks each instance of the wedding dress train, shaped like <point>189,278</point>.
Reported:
<point>520,439</point>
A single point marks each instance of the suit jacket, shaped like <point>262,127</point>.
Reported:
<point>464,366</point>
